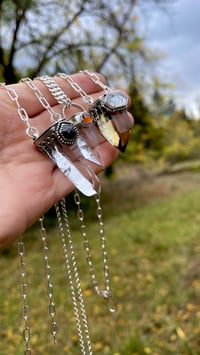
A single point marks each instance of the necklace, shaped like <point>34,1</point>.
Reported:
<point>62,143</point>
<point>109,111</point>
<point>106,293</point>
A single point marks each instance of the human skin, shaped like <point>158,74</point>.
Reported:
<point>30,183</point>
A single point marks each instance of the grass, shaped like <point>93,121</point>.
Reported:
<point>153,230</point>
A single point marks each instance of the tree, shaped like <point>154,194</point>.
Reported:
<point>181,137</point>
<point>147,134</point>
<point>48,36</point>
<point>38,36</point>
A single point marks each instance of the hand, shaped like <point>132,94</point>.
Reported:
<point>29,182</point>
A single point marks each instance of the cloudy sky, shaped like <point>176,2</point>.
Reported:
<point>175,31</point>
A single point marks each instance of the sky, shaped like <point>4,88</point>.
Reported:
<point>175,32</point>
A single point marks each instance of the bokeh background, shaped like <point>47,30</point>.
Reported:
<point>150,195</point>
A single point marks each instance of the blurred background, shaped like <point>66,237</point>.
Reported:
<point>150,194</point>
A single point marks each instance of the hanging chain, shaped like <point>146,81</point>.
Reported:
<point>24,294</point>
<point>54,116</point>
<point>63,225</point>
<point>70,278</point>
<point>50,290</point>
<point>86,243</point>
<point>31,132</point>
<point>106,293</point>
<point>76,275</point>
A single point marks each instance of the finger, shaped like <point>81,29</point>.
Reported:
<point>30,102</point>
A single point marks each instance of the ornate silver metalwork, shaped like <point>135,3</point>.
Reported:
<point>51,144</point>
<point>62,143</point>
<point>109,111</point>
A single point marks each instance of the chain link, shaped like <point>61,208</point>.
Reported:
<point>63,226</point>
<point>31,132</point>
<point>24,295</point>
<point>50,289</point>
<point>106,293</point>
<point>94,77</point>
<point>85,119</point>
<point>56,91</point>
<point>54,116</point>
<point>86,98</point>
<point>86,243</point>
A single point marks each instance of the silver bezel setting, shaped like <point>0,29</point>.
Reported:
<point>108,101</point>
<point>60,135</point>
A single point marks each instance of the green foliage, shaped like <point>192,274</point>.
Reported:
<point>154,256</point>
<point>147,133</point>
<point>181,140</point>
<point>161,132</point>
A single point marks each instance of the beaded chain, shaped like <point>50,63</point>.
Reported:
<point>50,288</point>
<point>24,295</point>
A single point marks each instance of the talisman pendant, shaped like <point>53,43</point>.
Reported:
<point>110,112</point>
<point>62,143</point>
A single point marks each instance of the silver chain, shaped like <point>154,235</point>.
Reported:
<point>55,90</point>
<point>86,98</point>
<point>106,293</point>
<point>60,95</point>
<point>79,309</point>
<point>94,77</point>
<point>24,295</point>
<point>31,132</point>
<point>54,116</point>
<point>86,243</point>
<point>50,289</point>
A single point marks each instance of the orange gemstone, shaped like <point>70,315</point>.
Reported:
<point>87,118</point>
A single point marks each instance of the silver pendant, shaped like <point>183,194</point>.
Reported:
<point>62,143</point>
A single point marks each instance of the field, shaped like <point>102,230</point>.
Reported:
<point>152,225</point>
